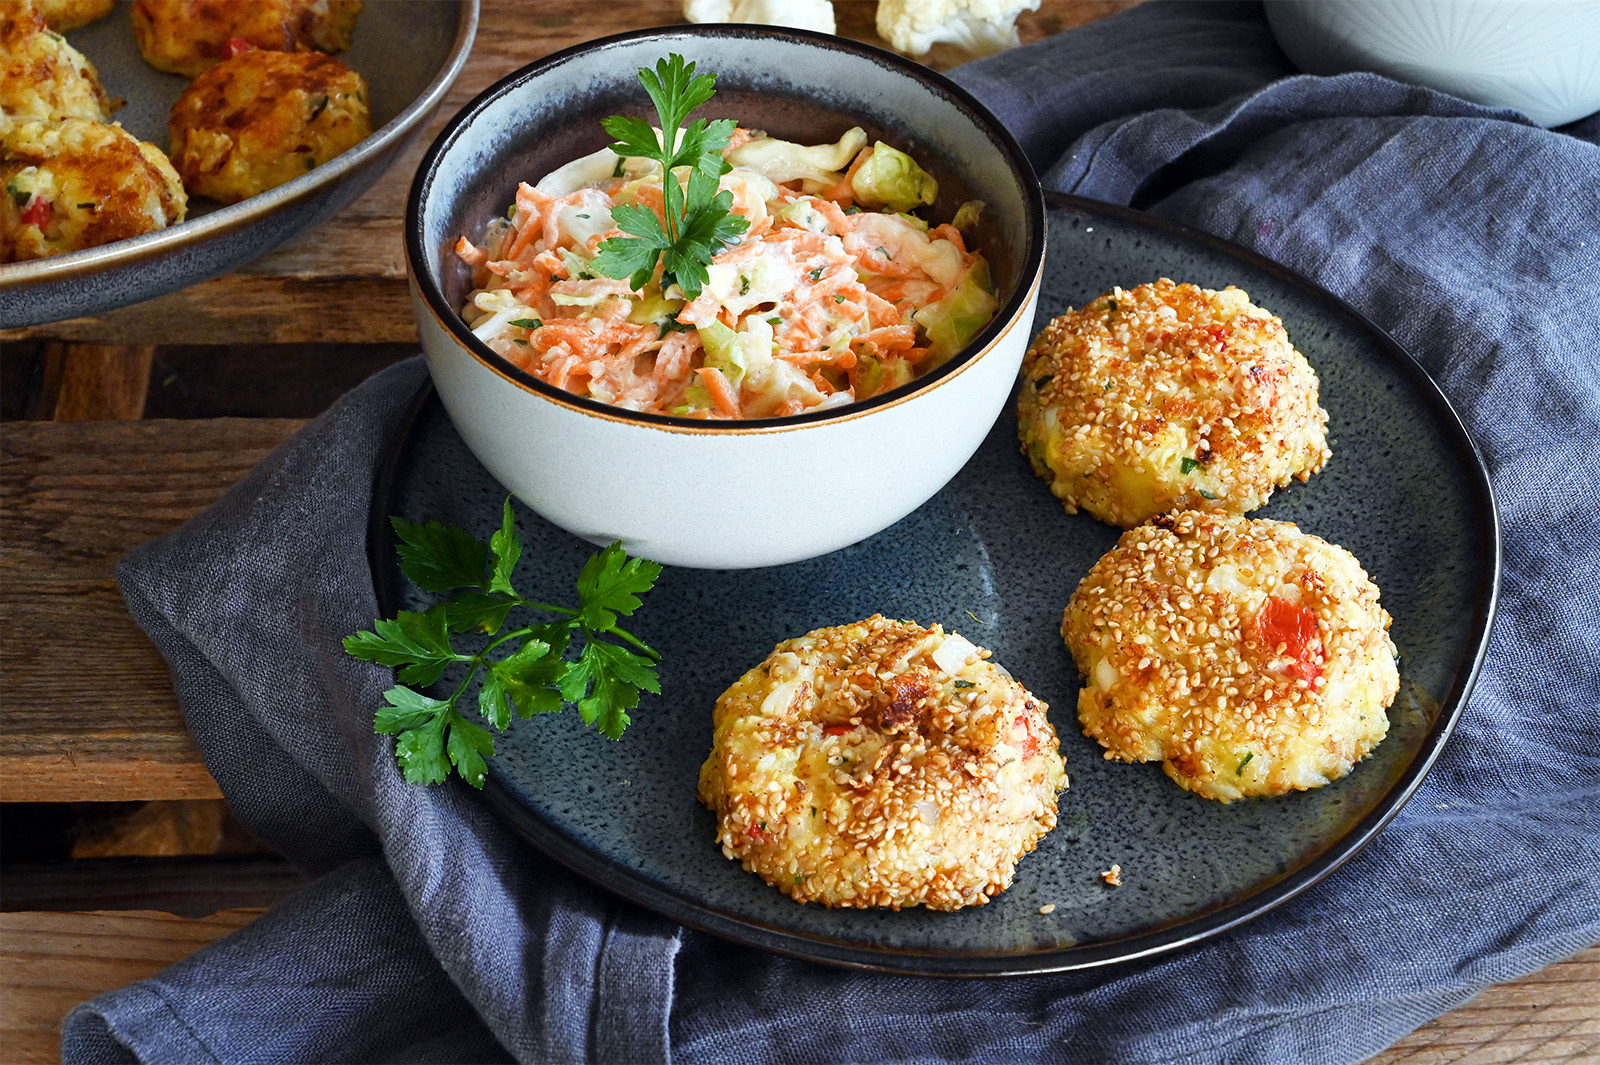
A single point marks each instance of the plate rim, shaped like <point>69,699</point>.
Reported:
<point>627,883</point>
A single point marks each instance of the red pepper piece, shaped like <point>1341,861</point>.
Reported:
<point>1030,746</point>
<point>1282,622</point>
<point>37,213</point>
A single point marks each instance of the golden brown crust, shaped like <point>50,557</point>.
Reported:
<point>260,119</point>
<point>66,15</point>
<point>80,184</point>
<point>1168,397</point>
<point>1247,656</point>
<point>187,36</point>
<point>41,75</point>
<point>881,764</point>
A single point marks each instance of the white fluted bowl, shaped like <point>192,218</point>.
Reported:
<point>1540,57</point>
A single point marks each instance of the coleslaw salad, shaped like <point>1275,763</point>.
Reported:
<point>836,292</point>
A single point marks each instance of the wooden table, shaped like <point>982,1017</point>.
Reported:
<point>88,712</point>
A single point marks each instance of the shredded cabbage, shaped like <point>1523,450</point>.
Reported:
<point>952,322</point>
<point>817,168</point>
<point>891,178</point>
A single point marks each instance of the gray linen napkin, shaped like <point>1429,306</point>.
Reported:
<point>1470,234</point>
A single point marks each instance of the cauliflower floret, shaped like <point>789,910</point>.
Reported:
<point>801,14</point>
<point>980,27</point>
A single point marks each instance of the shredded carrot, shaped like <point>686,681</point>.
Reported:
<point>835,215</point>
<point>470,253</point>
<point>950,233</point>
<point>721,391</point>
<point>832,297</point>
<point>890,337</point>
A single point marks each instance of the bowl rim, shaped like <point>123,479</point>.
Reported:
<point>236,217</point>
<point>428,292</point>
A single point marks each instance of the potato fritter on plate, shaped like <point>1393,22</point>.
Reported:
<point>1248,657</point>
<point>187,36</point>
<point>881,764</point>
<point>41,75</point>
<point>1169,397</point>
<point>262,118</point>
<point>66,15</point>
<point>80,184</point>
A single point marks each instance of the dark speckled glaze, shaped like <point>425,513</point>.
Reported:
<point>409,51</point>
<point>994,557</point>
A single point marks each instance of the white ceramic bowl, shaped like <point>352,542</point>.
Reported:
<point>723,495</point>
<point>1540,57</point>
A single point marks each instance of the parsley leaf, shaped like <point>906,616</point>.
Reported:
<point>698,219</point>
<point>526,678</point>
<point>420,752</point>
<point>439,557</point>
<point>610,583</point>
<point>406,710</point>
<point>535,677</point>
<point>506,547</point>
<point>478,612</point>
<point>420,643</point>
<point>634,259</point>
<point>1189,465</point>
<point>605,683</point>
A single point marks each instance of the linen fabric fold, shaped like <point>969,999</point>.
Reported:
<point>1471,235</point>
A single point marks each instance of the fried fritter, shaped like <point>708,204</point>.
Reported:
<point>66,15</point>
<point>260,119</point>
<point>187,36</point>
<point>1169,397</point>
<point>1248,657</point>
<point>79,184</point>
<point>41,75</point>
<point>881,764</point>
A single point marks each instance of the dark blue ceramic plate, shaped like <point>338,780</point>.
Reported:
<point>994,557</point>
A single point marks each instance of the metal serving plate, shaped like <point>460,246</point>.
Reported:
<point>409,51</point>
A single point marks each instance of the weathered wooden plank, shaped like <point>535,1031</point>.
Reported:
<point>187,886</point>
<point>89,712</point>
<point>1549,1016</point>
<point>94,382</point>
<point>245,309</point>
<point>50,962</point>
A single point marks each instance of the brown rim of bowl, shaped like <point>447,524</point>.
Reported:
<point>245,213</point>
<point>419,261</point>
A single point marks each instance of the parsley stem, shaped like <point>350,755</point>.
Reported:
<point>631,638</point>
<point>450,704</point>
<point>552,608</point>
<point>480,656</point>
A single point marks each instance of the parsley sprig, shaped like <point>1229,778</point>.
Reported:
<point>533,675</point>
<point>699,220</point>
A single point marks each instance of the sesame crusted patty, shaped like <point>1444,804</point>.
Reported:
<point>1247,656</point>
<point>1168,397</point>
<point>881,764</point>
